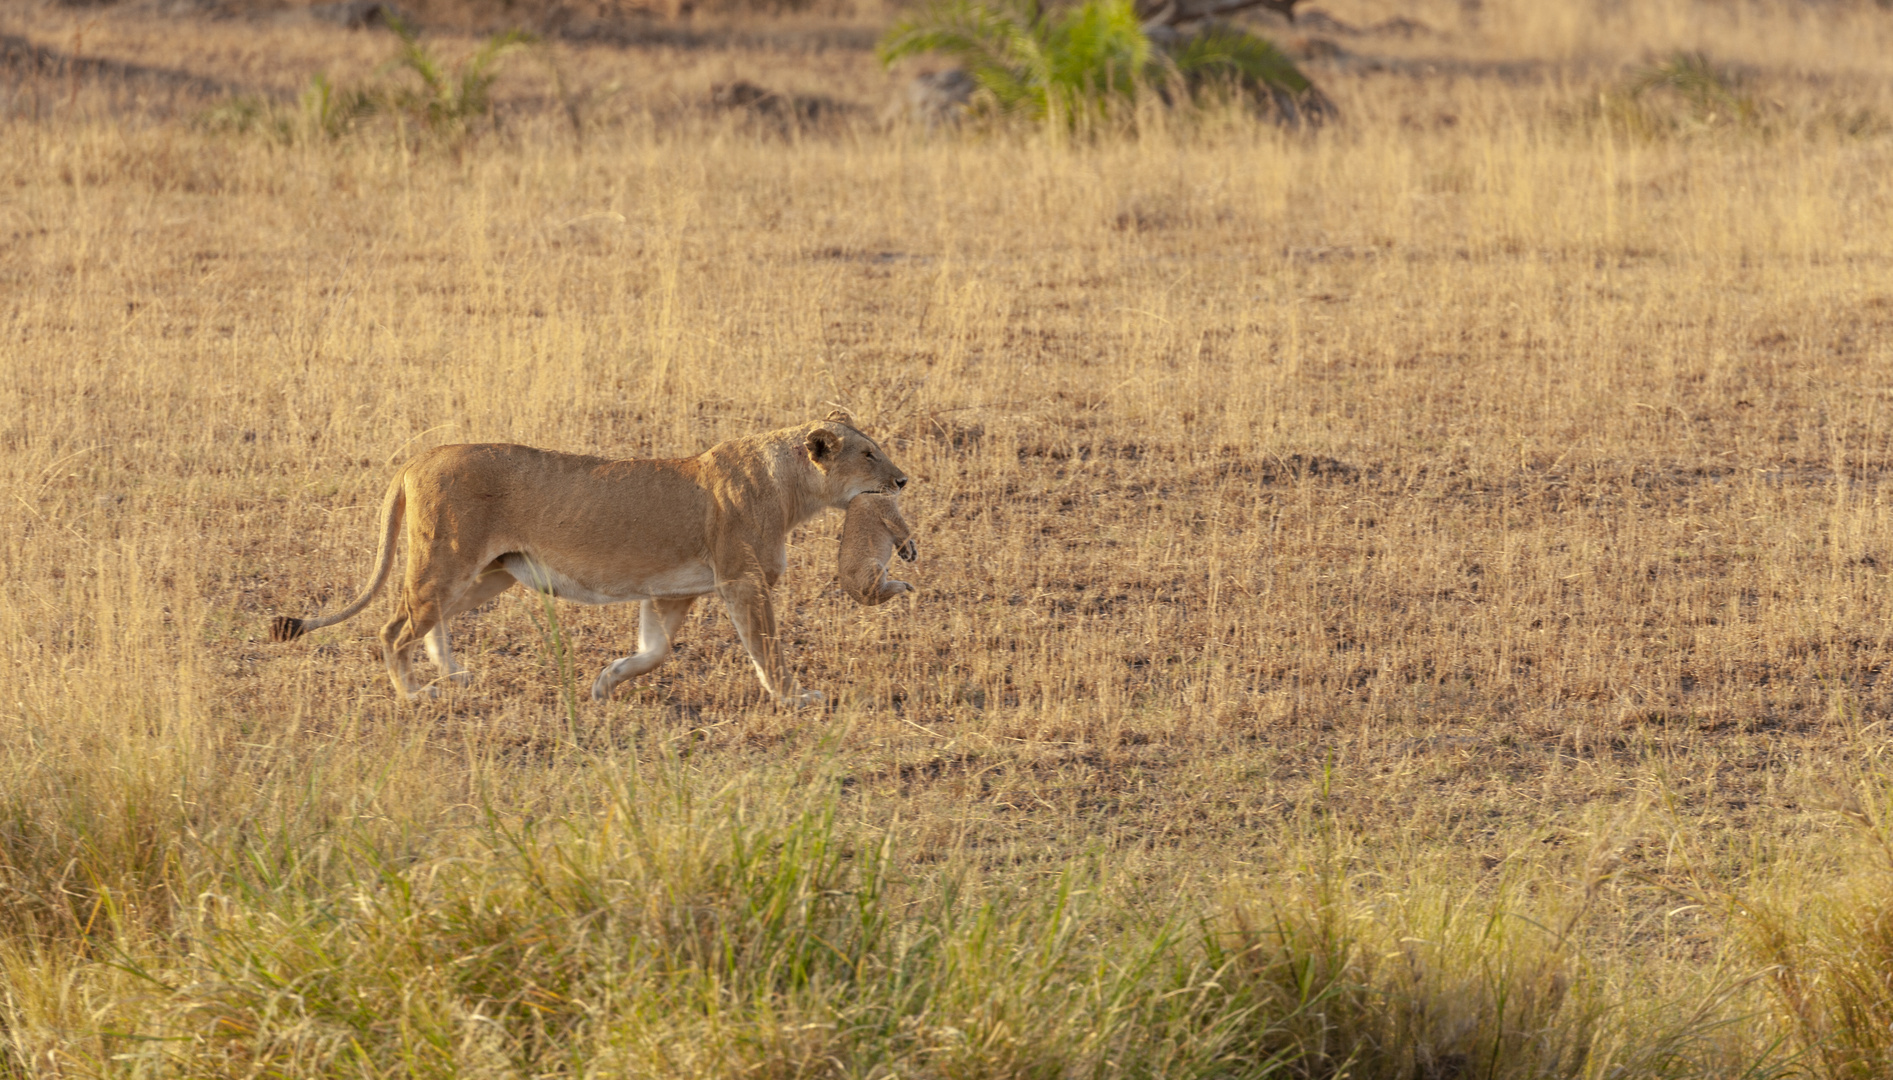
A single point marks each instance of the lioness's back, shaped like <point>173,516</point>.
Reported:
<point>560,499</point>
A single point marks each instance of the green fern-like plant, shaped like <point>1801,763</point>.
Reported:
<point>331,111</point>
<point>1096,55</point>
<point>1029,63</point>
<point>448,101</point>
<point>1090,61</point>
<point>1001,48</point>
<point>1223,54</point>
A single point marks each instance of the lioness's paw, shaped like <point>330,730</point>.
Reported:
<point>602,686</point>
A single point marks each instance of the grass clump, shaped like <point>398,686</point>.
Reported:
<point>1682,93</point>
<point>1830,952</point>
<point>1710,92</point>
<point>675,930</point>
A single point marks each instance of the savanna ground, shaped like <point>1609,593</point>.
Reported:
<point>1407,599</point>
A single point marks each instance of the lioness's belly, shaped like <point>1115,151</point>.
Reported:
<point>694,580</point>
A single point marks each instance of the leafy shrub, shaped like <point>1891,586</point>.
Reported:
<point>1090,62</point>
<point>1222,57</point>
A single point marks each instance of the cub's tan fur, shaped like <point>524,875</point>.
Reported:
<point>873,532</point>
<point>661,532</point>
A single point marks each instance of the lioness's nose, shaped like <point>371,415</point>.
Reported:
<point>900,482</point>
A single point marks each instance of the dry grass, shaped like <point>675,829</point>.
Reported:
<point>1447,552</point>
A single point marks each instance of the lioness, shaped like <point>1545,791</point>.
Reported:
<point>662,532</point>
<point>873,532</point>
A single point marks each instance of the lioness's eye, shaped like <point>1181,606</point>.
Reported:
<point>870,454</point>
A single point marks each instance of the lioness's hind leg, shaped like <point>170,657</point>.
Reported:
<point>489,584</point>
<point>396,644</point>
<point>658,623</point>
<point>407,629</point>
<point>492,581</point>
<point>440,650</point>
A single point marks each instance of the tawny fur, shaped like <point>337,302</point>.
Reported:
<point>872,533</point>
<point>662,532</point>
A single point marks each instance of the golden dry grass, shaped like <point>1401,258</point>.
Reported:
<point>1483,502</point>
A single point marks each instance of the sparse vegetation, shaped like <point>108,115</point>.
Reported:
<point>1410,601</point>
<point>448,105</point>
<point>1686,90</point>
<point>331,112</point>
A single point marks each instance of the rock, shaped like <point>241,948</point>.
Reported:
<point>789,110</point>
<point>359,14</point>
<point>940,98</point>
<point>1313,48</point>
<point>743,94</point>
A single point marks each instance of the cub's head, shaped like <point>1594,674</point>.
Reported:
<point>849,462</point>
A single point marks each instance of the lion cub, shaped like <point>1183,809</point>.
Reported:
<point>873,532</point>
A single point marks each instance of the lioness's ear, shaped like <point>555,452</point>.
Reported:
<point>822,444</point>
<point>840,416</point>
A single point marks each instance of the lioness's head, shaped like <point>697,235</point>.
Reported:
<point>850,463</point>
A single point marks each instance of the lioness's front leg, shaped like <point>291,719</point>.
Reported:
<point>658,623</point>
<point>747,601</point>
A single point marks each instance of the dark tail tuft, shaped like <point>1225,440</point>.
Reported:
<point>909,551</point>
<point>284,628</point>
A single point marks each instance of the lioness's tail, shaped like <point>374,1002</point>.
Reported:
<point>393,505</point>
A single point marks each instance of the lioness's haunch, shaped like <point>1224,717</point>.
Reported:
<point>662,532</point>
<point>872,533</point>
